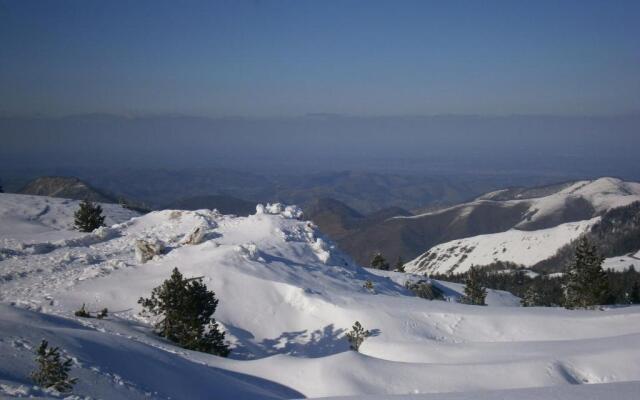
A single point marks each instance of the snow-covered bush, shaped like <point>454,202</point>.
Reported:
<point>82,312</point>
<point>356,336</point>
<point>424,289</point>
<point>293,212</point>
<point>52,372</point>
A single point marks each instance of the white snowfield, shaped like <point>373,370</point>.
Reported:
<point>521,247</point>
<point>623,263</point>
<point>287,296</point>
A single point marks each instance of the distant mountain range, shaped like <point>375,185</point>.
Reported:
<point>521,225</point>
<point>523,209</point>
<point>66,187</point>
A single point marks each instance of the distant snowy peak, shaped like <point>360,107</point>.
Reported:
<point>552,205</point>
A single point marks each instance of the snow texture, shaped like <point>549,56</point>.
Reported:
<point>287,297</point>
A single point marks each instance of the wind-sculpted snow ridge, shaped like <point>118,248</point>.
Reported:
<point>287,297</point>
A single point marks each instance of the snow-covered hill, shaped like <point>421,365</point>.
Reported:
<point>521,247</point>
<point>542,207</point>
<point>287,296</point>
<point>521,244</point>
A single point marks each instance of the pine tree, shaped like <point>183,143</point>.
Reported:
<point>88,216</point>
<point>586,282</point>
<point>186,308</point>
<point>52,372</point>
<point>531,297</point>
<point>634,295</point>
<point>474,292</point>
<point>357,335</point>
<point>379,262</point>
<point>399,265</point>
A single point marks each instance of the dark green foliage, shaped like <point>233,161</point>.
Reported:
<point>103,313</point>
<point>424,289</point>
<point>549,291</point>
<point>634,294</point>
<point>52,372</point>
<point>379,262</point>
<point>88,216</point>
<point>356,336</point>
<point>399,265</point>
<point>586,282</point>
<point>82,312</point>
<point>186,308</point>
<point>624,287</point>
<point>474,292</point>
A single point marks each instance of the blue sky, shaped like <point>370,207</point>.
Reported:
<point>287,58</point>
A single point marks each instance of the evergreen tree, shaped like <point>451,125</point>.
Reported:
<point>399,265</point>
<point>186,308</point>
<point>357,335</point>
<point>634,294</point>
<point>531,297</point>
<point>379,262</point>
<point>52,372</point>
<point>586,282</point>
<point>474,292</point>
<point>88,216</point>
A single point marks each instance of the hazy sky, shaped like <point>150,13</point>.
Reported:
<point>279,58</point>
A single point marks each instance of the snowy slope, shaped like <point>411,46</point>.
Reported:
<point>29,218</point>
<point>521,247</point>
<point>622,263</point>
<point>601,194</point>
<point>286,298</point>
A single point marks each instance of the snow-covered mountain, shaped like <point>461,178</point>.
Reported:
<point>521,244</point>
<point>287,296</point>
<point>525,248</point>
<point>528,209</point>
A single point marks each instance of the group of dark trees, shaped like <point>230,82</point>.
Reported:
<point>379,262</point>
<point>583,284</point>
<point>617,232</point>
